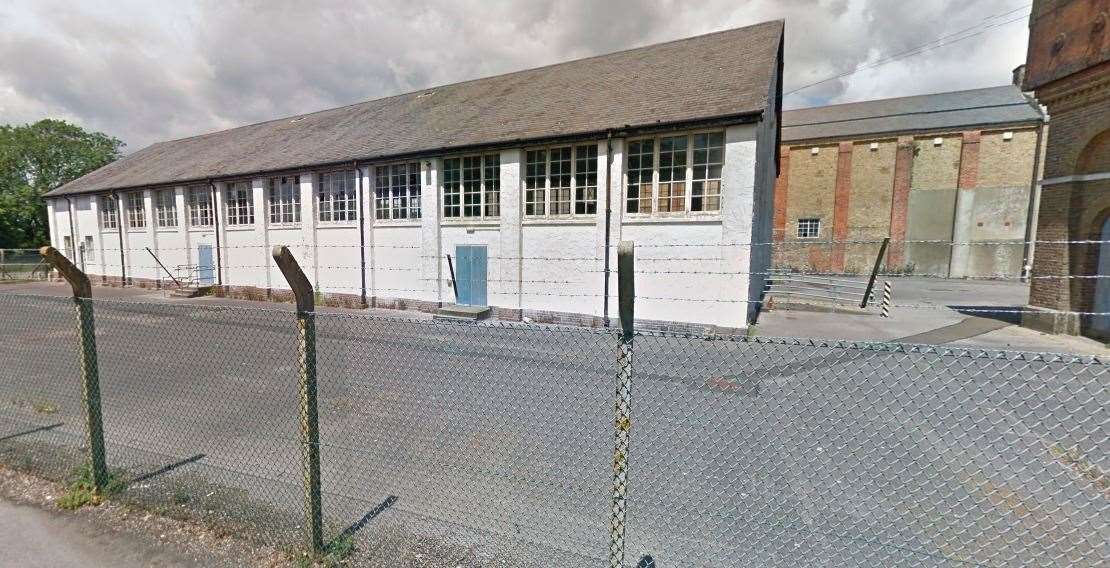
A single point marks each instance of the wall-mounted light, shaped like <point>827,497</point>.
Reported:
<point>814,150</point>
<point>938,141</point>
<point>1007,135</point>
<point>874,146</point>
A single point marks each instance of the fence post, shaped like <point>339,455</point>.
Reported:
<point>888,298</point>
<point>310,418</point>
<point>86,357</point>
<point>622,426</point>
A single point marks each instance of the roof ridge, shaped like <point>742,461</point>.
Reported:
<point>778,21</point>
<point>887,99</point>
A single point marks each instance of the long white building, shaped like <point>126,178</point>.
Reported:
<point>518,184</point>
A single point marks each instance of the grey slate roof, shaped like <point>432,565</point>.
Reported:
<point>959,109</point>
<point>723,74</point>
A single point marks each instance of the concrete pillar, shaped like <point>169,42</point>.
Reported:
<point>308,224</point>
<point>432,261</point>
<point>261,232</point>
<point>219,207</point>
<point>154,272</point>
<point>841,196</point>
<point>782,187</point>
<point>179,202</point>
<point>900,201</point>
<point>737,211</point>
<point>368,220</point>
<point>511,235</point>
<point>611,180</point>
<point>963,218</point>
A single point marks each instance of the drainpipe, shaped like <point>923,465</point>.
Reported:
<point>361,232</point>
<point>608,217</point>
<point>1034,203</point>
<point>119,233</point>
<point>216,226</point>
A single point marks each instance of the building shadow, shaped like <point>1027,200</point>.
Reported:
<point>1007,314</point>
<point>31,431</point>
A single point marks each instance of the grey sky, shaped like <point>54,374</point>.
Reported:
<point>148,71</point>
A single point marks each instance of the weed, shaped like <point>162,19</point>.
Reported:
<point>334,555</point>
<point>83,492</point>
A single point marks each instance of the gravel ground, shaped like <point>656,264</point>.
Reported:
<point>37,533</point>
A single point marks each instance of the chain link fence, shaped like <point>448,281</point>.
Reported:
<point>493,444</point>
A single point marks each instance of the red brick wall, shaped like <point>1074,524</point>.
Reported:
<point>841,203</point>
<point>969,159</point>
<point>900,204</point>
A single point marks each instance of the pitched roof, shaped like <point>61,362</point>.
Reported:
<point>957,109</point>
<point>723,74</point>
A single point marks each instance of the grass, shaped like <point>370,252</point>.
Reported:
<point>82,491</point>
<point>334,555</point>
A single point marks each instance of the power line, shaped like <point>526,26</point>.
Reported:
<point>925,47</point>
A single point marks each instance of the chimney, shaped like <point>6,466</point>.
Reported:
<point>1019,75</point>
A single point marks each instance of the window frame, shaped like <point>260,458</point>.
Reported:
<point>350,211</point>
<point>108,217</point>
<point>165,217</point>
<point>484,191</point>
<point>90,248</point>
<point>816,226</point>
<point>690,179</point>
<point>194,209</point>
<point>244,212</point>
<point>571,189</point>
<point>136,216</point>
<point>393,194</point>
<point>290,204</point>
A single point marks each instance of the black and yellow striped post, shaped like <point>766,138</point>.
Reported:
<point>622,426</point>
<point>86,358</point>
<point>310,417</point>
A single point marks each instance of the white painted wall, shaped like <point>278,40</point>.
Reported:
<point>692,268</point>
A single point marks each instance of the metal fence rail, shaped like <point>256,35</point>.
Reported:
<point>492,444</point>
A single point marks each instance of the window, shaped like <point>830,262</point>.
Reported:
<point>672,175</point>
<point>200,207</point>
<point>472,186</point>
<point>809,228</point>
<point>397,191</point>
<point>535,184</point>
<point>285,200</point>
<point>641,155</point>
<point>709,158</point>
<point>240,204</point>
<point>675,174</point>
<point>136,211</point>
<point>165,208</point>
<point>90,249</point>
<point>561,181</point>
<point>585,180</point>
<point>109,218</point>
<point>337,200</point>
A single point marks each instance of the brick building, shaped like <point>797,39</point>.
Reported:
<point>1068,65</point>
<point>947,167</point>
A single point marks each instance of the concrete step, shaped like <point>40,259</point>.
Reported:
<point>189,291</point>
<point>463,313</point>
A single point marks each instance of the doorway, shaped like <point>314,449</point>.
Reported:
<point>470,277</point>
<point>204,264</point>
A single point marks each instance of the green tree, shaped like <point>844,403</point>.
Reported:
<point>35,158</point>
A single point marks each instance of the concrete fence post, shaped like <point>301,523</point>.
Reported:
<point>86,358</point>
<point>310,418</point>
<point>622,426</point>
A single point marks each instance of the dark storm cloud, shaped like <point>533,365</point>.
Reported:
<point>140,73</point>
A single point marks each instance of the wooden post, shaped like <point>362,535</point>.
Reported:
<point>622,426</point>
<point>90,372</point>
<point>310,418</point>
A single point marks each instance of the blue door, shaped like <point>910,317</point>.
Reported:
<point>204,264</point>
<point>470,274</point>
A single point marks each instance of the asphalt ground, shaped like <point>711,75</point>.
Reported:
<point>493,443</point>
